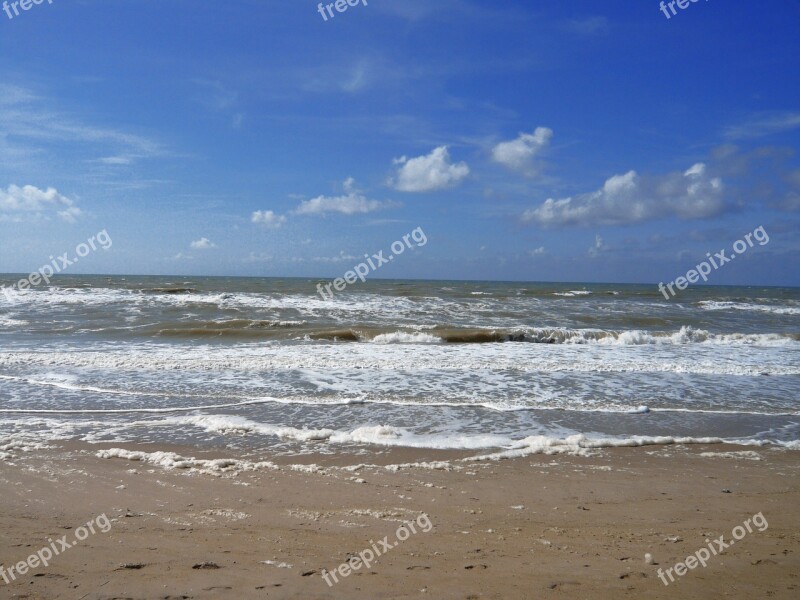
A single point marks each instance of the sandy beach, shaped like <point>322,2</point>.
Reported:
<point>533,527</point>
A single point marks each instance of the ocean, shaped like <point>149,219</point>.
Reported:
<point>267,367</point>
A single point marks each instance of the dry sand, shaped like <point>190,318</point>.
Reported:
<point>534,527</point>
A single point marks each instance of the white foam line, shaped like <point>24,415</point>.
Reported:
<point>89,411</point>
<point>87,388</point>
<point>713,412</point>
<point>350,401</point>
<point>576,445</point>
<point>621,410</point>
<point>384,358</point>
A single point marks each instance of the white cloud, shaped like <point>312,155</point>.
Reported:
<point>14,94</point>
<point>216,96</point>
<point>416,10</point>
<point>70,214</point>
<point>29,126</point>
<point>257,258</point>
<point>31,201</point>
<point>342,257</point>
<point>519,154</point>
<point>357,78</point>
<point>761,175</point>
<point>351,203</point>
<point>203,244</point>
<point>629,198</point>
<point>793,178</point>
<point>115,160</point>
<point>764,123</point>
<point>349,78</point>
<point>537,251</point>
<point>588,25</point>
<point>598,247</point>
<point>433,171</point>
<point>267,218</point>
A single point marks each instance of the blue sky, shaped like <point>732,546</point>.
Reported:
<point>579,141</point>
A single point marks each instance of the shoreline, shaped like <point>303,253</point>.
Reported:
<point>516,528</point>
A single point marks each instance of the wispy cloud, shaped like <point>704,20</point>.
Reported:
<point>218,97</point>
<point>30,125</point>
<point>341,257</point>
<point>115,160</point>
<point>598,247</point>
<point>259,257</point>
<point>350,78</point>
<point>762,124</point>
<point>587,25</point>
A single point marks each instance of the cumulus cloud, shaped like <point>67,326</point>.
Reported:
<point>540,251</point>
<point>17,202</point>
<point>630,198</point>
<point>267,218</point>
<point>519,154</point>
<point>352,202</point>
<point>433,171</point>
<point>203,244</point>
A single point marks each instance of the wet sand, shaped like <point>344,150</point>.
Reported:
<point>532,527</point>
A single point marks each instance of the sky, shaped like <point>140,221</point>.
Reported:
<point>530,140</point>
